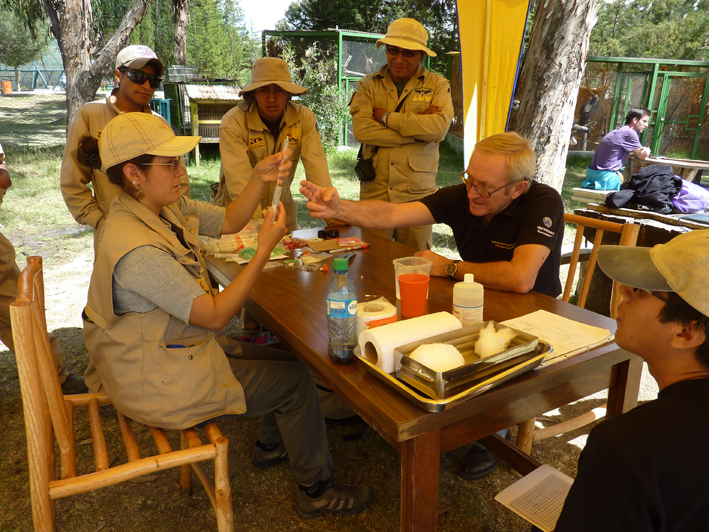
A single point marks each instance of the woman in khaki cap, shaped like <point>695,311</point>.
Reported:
<point>258,127</point>
<point>151,319</point>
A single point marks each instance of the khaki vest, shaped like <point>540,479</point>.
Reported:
<point>157,369</point>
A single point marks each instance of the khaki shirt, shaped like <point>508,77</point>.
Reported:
<point>241,149</point>
<point>87,207</point>
<point>156,368</point>
<point>407,160</point>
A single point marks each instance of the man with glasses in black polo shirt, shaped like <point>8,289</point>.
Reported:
<point>138,74</point>
<point>508,229</point>
<point>400,114</point>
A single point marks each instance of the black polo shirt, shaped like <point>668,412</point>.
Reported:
<point>536,217</point>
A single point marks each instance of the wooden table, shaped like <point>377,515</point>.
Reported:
<point>292,305</point>
<point>685,168</point>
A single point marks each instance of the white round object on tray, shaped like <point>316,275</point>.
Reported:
<point>438,357</point>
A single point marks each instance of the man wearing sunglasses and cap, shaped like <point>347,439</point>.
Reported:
<point>400,114</point>
<point>258,127</point>
<point>138,73</point>
<point>647,469</point>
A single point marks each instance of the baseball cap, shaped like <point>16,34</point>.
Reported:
<point>408,34</point>
<point>272,70</point>
<point>681,266</point>
<point>137,56</point>
<point>130,135</point>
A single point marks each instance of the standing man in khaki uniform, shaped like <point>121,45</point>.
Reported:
<point>258,127</point>
<point>400,114</point>
<point>137,74</point>
<point>9,274</point>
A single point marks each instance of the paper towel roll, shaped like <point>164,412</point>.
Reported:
<point>377,345</point>
<point>379,309</point>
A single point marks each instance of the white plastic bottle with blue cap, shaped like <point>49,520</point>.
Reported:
<point>468,301</point>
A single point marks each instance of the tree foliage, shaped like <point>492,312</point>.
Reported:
<point>439,17</point>
<point>17,45</point>
<point>660,29</point>
<point>316,69</point>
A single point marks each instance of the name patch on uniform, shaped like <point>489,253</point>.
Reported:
<point>257,141</point>
<point>293,136</point>
<point>545,228</point>
<point>423,94</point>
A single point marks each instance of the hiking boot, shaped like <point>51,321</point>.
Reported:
<point>343,499</point>
<point>74,384</point>
<point>265,459</point>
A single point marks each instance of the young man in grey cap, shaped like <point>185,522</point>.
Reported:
<point>138,73</point>
<point>647,469</point>
<point>258,127</point>
<point>400,114</point>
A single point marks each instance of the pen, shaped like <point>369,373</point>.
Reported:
<point>351,248</point>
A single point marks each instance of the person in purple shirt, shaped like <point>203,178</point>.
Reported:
<point>614,149</point>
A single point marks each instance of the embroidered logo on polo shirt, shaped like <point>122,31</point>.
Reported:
<point>258,141</point>
<point>545,230</point>
<point>503,245</point>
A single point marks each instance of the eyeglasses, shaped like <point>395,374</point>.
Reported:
<point>176,163</point>
<point>661,298</point>
<point>393,50</point>
<point>483,192</point>
<point>139,77</point>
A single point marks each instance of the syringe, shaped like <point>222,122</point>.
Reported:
<point>279,186</point>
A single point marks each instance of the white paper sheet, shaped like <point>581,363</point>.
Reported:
<point>538,497</point>
<point>567,337</point>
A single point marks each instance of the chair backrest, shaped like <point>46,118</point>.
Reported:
<point>48,414</point>
<point>628,237</point>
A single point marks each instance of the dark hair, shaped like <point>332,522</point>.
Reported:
<point>677,310</point>
<point>88,155</point>
<point>637,112</point>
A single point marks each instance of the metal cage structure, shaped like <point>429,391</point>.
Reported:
<point>675,91</point>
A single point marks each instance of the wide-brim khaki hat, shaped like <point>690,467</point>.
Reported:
<point>681,266</point>
<point>408,34</point>
<point>130,135</point>
<point>137,56</point>
<point>272,71</point>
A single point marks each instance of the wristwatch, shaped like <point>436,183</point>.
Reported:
<point>452,268</point>
<point>383,121</point>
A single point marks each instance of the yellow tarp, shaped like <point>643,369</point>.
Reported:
<point>491,35</point>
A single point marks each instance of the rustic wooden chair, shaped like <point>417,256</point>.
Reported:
<point>527,433</point>
<point>49,414</point>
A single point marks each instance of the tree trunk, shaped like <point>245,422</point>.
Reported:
<point>181,8</point>
<point>18,78</point>
<point>72,24</point>
<point>550,80</point>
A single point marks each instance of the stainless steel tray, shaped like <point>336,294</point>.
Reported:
<point>442,384</point>
<point>439,405</point>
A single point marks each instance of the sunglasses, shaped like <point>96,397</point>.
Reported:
<point>483,192</point>
<point>176,163</point>
<point>661,298</point>
<point>139,77</point>
<point>393,50</point>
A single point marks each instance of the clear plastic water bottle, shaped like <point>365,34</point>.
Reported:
<point>341,314</point>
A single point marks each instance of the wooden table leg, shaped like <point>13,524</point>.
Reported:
<point>420,464</point>
<point>623,395</point>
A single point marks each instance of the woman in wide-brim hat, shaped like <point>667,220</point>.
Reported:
<point>259,126</point>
